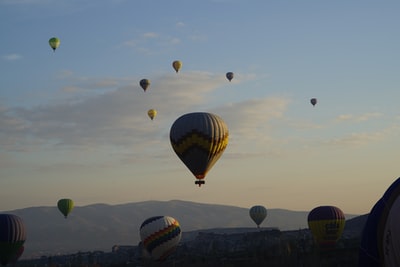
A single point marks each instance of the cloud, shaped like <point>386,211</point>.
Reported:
<point>358,118</point>
<point>12,57</point>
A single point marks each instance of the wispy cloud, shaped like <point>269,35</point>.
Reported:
<point>12,57</point>
<point>358,118</point>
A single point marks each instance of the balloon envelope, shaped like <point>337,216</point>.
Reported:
<point>12,237</point>
<point>65,206</point>
<point>177,65</point>
<point>229,76</point>
<point>144,83</point>
<point>258,214</point>
<point>313,101</point>
<point>160,236</point>
<point>326,224</point>
<point>54,43</point>
<point>380,241</point>
<point>152,113</point>
<point>199,139</point>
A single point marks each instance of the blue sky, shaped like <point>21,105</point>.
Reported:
<point>73,123</point>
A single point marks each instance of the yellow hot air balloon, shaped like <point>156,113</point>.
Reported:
<point>326,224</point>
<point>152,113</point>
<point>54,43</point>
<point>177,65</point>
<point>199,139</point>
<point>65,206</point>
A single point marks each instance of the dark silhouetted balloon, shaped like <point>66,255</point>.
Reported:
<point>229,76</point>
<point>380,241</point>
<point>177,65</point>
<point>199,139</point>
<point>144,83</point>
<point>12,237</point>
<point>313,101</point>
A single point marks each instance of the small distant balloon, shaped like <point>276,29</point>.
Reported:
<point>177,65</point>
<point>160,235</point>
<point>313,101</point>
<point>152,113</point>
<point>144,83</point>
<point>65,206</point>
<point>229,76</point>
<point>54,43</point>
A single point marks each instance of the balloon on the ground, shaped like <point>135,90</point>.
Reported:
<point>160,235</point>
<point>380,241</point>
<point>258,214</point>
<point>326,224</point>
<point>199,139</point>
<point>65,206</point>
<point>12,237</point>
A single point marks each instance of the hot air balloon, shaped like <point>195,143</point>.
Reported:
<point>199,139</point>
<point>380,240</point>
<point>326,224</point>
<point>12,237</point>
<point>229,76</point>
<point>313,101</point>
<point>152,113</point>
<point>54,43</point>
<point>144,83</point>
<point>177,65</point>
<point>258,214</point>
<point>65,205</point>
<point>160,235</point>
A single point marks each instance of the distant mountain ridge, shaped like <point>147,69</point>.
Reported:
<point>100,226</point>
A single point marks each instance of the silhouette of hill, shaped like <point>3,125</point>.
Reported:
<point>100,226</point>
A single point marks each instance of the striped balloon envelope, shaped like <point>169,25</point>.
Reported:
<point>199,139</point>
<point>326,224</point>
<point>258,214</point>
<point>12,237</point>
<point>160,236</point>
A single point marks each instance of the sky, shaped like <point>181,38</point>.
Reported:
<point>73,123</point>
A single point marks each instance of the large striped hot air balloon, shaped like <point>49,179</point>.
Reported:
<point>12,237</point>
<point>160,236</point>
<point>380,242</point>
<point>199,139</point>
<point>258,214</point>
<point>65,206</point>
<point>326,224</point>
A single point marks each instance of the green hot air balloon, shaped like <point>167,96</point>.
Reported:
<point>65,205</point>
<point>199,139</point>
<point>54,43</point>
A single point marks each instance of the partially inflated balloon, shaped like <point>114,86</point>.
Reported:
<point>258,214</point>
<point>12,237</point>
<point>160,236</point>
<point>152,113</point>
<point>380,242</point>
<point>177,65</point>
<point>65,206</point>
<point>199,139</point>
<point>326,224</point>
<point>229,76</point>
<point>144,83</point>
<point>54,43</point>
